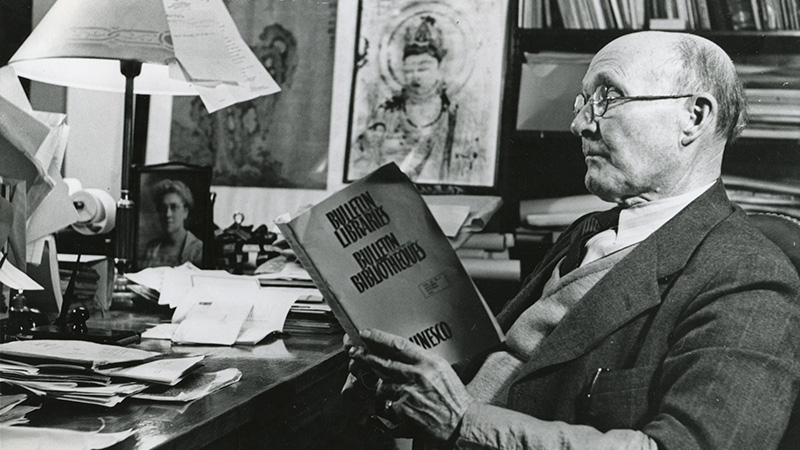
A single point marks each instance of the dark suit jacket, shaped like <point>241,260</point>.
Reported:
<point>698,328</point>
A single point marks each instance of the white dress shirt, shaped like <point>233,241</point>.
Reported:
<point>637,223</point>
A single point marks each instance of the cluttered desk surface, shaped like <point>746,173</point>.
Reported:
<point>287,394</point>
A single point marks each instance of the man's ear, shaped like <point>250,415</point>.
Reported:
<point>700,118</point>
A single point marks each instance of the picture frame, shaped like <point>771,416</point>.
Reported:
<point>427,90</point>
<point>163,210</point>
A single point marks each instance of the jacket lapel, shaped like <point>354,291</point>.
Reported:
<point>633,285</point>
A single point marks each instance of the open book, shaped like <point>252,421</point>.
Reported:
<point>381,261</point>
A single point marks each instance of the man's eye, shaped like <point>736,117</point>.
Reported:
<point>613,93</point>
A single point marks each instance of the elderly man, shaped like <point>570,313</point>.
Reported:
<point>676,326</point>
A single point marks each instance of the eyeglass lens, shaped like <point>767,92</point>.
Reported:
<point>598,102</point>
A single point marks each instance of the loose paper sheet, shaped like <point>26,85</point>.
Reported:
<point>178,281</point>
<point>168,371</point>
<point>212,54</point>
<point>36,438</point>
<point>17,279</point>
<point>211,318</point>
<point>75,351</point>
<point>450,217</point>
<point>271,305</point>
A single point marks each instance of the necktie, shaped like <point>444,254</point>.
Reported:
<point>590,227</point>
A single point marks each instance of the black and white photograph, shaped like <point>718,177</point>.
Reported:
<point>400,224</point>
<point>173,211</point>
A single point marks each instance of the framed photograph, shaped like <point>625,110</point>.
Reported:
<point>427,90</point>
<point>174,215</point>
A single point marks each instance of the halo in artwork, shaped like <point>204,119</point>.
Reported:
<point>458,40</point>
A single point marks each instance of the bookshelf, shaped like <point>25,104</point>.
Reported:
<point>549,163</point>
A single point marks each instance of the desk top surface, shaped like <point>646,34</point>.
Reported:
<point>274,373</point>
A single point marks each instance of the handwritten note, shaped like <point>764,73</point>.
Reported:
<point>213,56</point>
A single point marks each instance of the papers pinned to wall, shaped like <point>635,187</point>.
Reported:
<point>213,56</point>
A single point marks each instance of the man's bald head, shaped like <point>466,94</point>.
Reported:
<point>689,64</point>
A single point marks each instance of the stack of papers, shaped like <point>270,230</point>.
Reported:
<point>283,271</point>
<point>230,315</point>
<point>311,315</point>
<point>87,372</point>
<point>167,371</point>
<point>218,308</point>
<point>88,355</point>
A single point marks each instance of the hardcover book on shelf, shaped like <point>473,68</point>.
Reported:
<point>381,261</point>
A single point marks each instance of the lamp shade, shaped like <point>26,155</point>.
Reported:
<point>80,43</point>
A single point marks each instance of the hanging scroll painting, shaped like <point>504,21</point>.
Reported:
<point>427,90</point>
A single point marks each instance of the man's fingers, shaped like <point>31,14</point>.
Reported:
<point>384,368</point>
<point>391,346</point>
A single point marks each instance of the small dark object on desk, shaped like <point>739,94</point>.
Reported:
<point>77,329</point>
<point>231,245</point>
<point>73,325</point>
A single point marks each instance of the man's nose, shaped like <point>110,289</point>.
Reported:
<point>584,125</point>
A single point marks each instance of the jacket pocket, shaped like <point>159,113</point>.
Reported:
<point>618,398</point>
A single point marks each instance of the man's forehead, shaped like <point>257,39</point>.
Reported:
<point>632,57</point>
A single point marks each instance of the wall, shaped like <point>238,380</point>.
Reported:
<point>95,142</point>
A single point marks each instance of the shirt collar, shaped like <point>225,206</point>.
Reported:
<point>640,221</point>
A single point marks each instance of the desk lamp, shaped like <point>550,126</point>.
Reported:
<point>106,45</point>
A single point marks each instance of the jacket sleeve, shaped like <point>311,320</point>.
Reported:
<point>487,427</point>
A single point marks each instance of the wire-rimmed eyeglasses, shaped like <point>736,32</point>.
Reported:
<point>599,101</point>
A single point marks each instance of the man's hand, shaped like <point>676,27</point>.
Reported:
<point>419,388</point>
<point>360,381</point>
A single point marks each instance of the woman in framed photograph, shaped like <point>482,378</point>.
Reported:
<point>176,244</point>
<point>174,215</point>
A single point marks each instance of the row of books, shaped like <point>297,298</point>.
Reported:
<point>661,14</point>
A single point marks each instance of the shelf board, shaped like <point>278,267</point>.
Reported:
<point>591,41</point>
<point>761,133</point>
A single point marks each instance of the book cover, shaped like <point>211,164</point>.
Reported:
<point>381,261</point>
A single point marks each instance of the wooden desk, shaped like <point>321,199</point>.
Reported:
<point>288,398</point>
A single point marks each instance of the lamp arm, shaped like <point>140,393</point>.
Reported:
<point>124,221</point>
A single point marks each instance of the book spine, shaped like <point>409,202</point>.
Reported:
<point>682,12</point>
<point>716,13</point>
<point>623,9</point>
<point>332,299</point>
<point>740,15</point>
<point>703,15</point>
<point>640,14</point>
<point>754,5</point>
